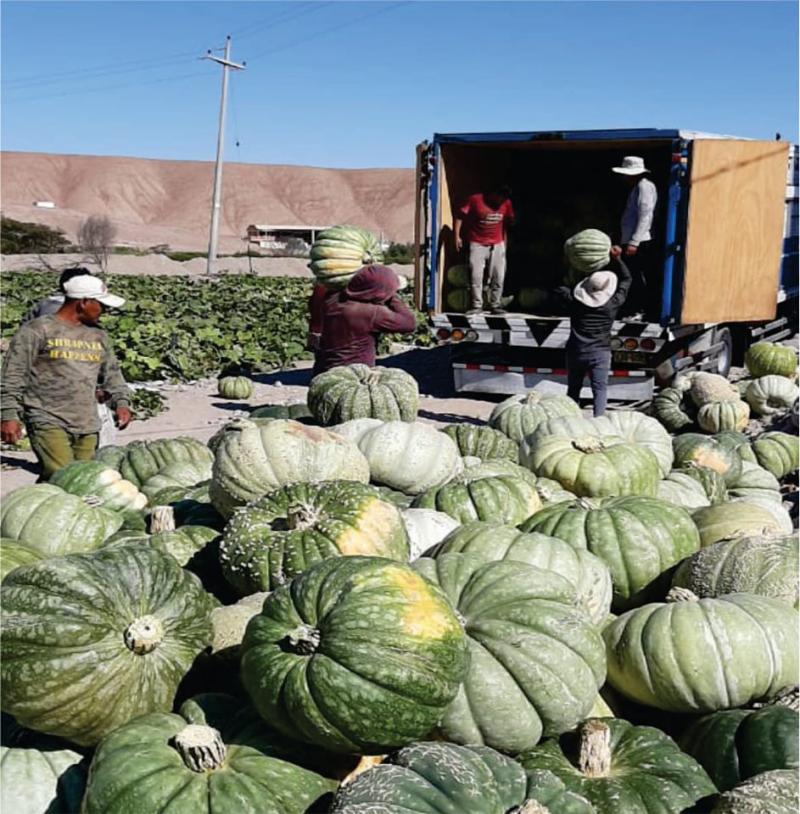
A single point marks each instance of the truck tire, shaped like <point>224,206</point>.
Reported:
<point>725,357</point>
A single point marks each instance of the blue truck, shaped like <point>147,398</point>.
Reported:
<point>725,238</point>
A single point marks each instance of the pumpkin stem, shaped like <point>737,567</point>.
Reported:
<point>677,594</point>
<point>595,749</point>
<point>162,518</point>
<point>143,635</point>
<point>588,445</point>
<point>532,399</point>
<point>303,640</point>
<point>201,747</point>
<point>300,517</point>
<point>530,807</point>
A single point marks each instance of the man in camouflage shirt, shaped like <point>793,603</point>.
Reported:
<point>50,376</point>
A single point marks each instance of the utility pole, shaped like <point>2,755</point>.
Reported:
<point>217,194</point>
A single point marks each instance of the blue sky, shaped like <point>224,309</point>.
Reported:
<point>358,84</point>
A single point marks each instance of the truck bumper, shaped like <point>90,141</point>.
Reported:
<point>623,385</point>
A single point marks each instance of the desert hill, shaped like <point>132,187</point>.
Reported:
<point>153,201</point>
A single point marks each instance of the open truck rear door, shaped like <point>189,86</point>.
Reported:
<point>421,214</point>
<point>734,230</point>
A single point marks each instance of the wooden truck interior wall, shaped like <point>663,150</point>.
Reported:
<point>558,189</point>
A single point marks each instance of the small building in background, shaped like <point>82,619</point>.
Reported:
<point>268,236</point>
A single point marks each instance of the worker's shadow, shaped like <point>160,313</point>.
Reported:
<point>9,462</point>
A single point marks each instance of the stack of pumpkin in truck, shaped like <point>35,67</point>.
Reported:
<point>338,607</point>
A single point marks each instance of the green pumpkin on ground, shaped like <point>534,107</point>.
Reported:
<point>481,441</point>
<point>734,519</point>
<point>777,452</point>
<point>519,416</point>
<point>672,410</point>
<point>14,554</point>
<point>737,442</point>
<point>297,412</point>
<point>340,251</point>
<point>755,482</point>
<point>69,623</point>
<point>722,416</point>
<point>620,768</point>
<point>637,428</point>
<point>702,655</point>
<point>239,388</point>
<point>214,756</point>
<point>357,654</point>
<point>178,475</point>
<point>433,777</point>
<point>638,538</point>
<point>769,358</point>
<point>524,628</point>
<point>681,489</point>
<point>702,450</point>
<point>736,744</point>
<point>712,482</point>
<point>184,543</point>
<point>766,565</point>
<point>774,792</point>
<point>254,459</point>
<point>52,522</point>
<point>493,542</point>
<point>278,537</point>
<point>771,395</point>
<point>94,478</point>
<point>360,391</point>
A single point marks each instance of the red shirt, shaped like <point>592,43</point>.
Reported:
<point>483,224</point>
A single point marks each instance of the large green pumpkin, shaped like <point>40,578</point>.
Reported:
<point>738,442</point>
<point>734,519</point>
<point>14,554</point>
<point>481,441</point>
<point>774,792</point>
<point>492,542</point>
<point>735,744</point>
<point>496,490</point>
<point>764,565</point>
<point>340,251</point>
<point>694,448</point>
<point>777,452</point>
<point>638,538</point>
<point>593,467</point>
<point>90,641</point>
<point>722,416</point>
<point>178,475</point>
<point>254,459</point>
<point>770,395</point>
<point>274,539</point>
<point>588,251</point>
<point>681,489</point>
<point>235,387</point>
<point>297,412</point>
<point>213,757</point>
<point>638,428</point>
<point>411,457</point>
<point>702,655</point>
<point>755,482</point>
<point>519,416</point>
<point>185,544</point>
<point>623,769</point>
<point>710,480</point>
<point>357,654</point>
<point>52,522</point>
<point>525,632</point>
<point>671,409</point>
<point>432,778</point>
<point>94,478</point>
<point>360,391</point>
<point>769,358</point>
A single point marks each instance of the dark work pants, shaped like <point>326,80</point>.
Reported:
<point>645,293</point>
<point>596,364</point>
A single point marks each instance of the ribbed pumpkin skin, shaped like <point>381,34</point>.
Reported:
<point>648,773</point>
<point>493,542</point>
<point>767,358</point>
<point>360,391</point>
<point>738,442</point>
<point>767,566</point>
<point>524,632</point>
<point>182,543</point>
<point>681,489</point>
<point>411,457</point>
<point>638,428</point>
<point>137,767</point>
<point>519,416</point>
<point>588,251</point>
<point>254,459</point>
<point>66,667</point>
<point>755,482</point>
<point>733,519</point>
<point>594,467</point>
<point>340,251</point>
<point>357,654</point>
<point>703,655</point>
<point>735,744</point>
<point>707,388</point>
<point>723,415</point>
<point>276,538</point>
<point>426,528</point>
<point>671,410</point>
<point>482,442</point>
<point>293,411</point>
<point>773,792</point>
<point>140,460</point>
<point>710,480</point>
<point>235,387</point>
<point>777,452</point>
<point>182,474</point>
<point>691,447</point>
<point>771,394</point>
<point>14,554</point>
<point>95,478</point>
<point>432,777</point>
<point>496,490</point>
<point>52,522</point>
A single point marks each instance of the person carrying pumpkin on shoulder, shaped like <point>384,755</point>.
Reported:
<point>593,305</point>
<point>353,319</point>
<point>50,376</point>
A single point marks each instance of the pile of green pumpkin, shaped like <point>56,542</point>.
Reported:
<point>335,607</point>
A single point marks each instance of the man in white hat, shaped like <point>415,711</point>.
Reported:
<point>593,306</point>
<point>50,377</point>
<point>637,219</point>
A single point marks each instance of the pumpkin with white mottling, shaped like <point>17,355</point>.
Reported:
<point>519,416</point>
<point>770,395</point>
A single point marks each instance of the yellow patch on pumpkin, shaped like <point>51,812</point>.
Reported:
<point>379,522</point>
<point>425,614</point>
<point>709,458</point>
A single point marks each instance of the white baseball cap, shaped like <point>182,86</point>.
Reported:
<point>631,165</point>
<point>89,287</point>
<point>596,289</point>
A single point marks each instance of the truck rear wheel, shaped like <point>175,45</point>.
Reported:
<point>725,357</point>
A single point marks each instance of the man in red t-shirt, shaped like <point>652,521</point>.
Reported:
<point>485,217</point>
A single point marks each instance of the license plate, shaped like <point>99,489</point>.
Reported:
<point>630,357</point>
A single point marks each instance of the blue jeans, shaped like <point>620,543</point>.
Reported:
<point>595,363</point>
